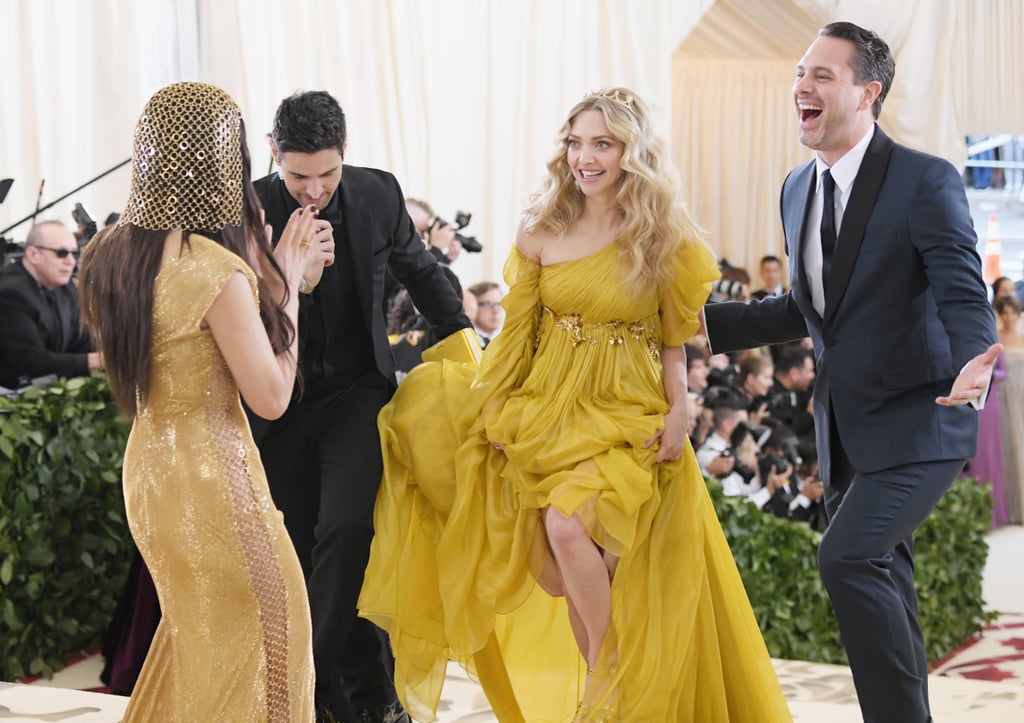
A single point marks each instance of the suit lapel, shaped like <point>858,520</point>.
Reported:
<point>855,218</point>
<point>795,219</point>
<point>359,229</point>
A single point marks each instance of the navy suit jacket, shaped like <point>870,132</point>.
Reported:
<point>905,310</point>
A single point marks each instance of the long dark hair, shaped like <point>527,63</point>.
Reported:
<point>115,287</point>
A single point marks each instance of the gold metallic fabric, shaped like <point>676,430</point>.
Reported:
<point>187,161</point>
<point>235,642</point>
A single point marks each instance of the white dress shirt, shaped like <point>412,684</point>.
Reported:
<point>844,173</point>
<point>732,484</point>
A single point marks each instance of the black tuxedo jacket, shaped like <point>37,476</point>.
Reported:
<point>905,310</point>
<point>38,337</point>
<point>381,236</point>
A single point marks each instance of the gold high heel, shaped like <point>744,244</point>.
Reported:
<point>587,713</point>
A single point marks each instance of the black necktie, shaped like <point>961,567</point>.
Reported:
<point>828,224</point>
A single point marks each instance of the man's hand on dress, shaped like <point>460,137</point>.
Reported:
<point>972,382</point>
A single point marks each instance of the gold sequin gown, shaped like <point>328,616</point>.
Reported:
<point>572,388</point>
<point>234,643</point>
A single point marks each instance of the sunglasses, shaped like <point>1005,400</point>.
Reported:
<point>60,253</point>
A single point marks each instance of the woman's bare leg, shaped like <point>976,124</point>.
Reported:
<point>550,581</point>
<point>585,579</point>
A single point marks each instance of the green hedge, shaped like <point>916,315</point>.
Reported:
<point>65,546</point>
<point>778,562</point>
<point>64,543</point>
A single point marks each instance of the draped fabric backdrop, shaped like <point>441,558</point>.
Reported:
<point>462,99</point>
<point>734,125</point>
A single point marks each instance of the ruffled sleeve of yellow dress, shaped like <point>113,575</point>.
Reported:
<point>694,269</point>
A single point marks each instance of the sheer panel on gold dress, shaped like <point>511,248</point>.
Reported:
<point>571,389</point>
<point>234,643</point>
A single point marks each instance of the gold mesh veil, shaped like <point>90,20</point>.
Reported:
<point>187,161</point>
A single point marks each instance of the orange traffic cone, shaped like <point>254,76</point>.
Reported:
<point>993,251</point>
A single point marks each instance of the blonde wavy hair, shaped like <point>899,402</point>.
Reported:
<point>654,221</point>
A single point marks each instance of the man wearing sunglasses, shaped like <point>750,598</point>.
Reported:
<point>40,333</point>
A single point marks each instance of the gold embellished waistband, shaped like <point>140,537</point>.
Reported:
<point>613,332</point>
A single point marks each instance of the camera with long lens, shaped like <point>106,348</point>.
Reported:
<point>781,451</point>
<point>469,243</point>
<point>739,434</point>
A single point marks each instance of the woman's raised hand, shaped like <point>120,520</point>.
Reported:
<point>297,250</point>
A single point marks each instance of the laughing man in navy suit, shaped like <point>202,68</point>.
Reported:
<point>886,279</point>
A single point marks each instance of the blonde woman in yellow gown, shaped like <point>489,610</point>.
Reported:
<point>550,494</point>
<point>174,295</point>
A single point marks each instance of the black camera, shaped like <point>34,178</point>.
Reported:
<point>469,243</point>
<point>86,225</point>
<point>784,406</point>
<point>739,434</point>
<point>782,450</point>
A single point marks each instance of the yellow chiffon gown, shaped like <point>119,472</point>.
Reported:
<point>234,643</point>
<point>571,388</point>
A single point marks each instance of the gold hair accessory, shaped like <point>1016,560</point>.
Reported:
<point>187,161</point>
<point>616,95</point>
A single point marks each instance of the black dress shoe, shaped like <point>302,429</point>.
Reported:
<point>393,713</point>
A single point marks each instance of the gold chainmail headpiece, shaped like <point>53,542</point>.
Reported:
<point>187,161</point>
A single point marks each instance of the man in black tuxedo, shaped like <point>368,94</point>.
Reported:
<point>40,333</point>
<point>886,278</point>
<point>323,457</point>
<point>770,271</point>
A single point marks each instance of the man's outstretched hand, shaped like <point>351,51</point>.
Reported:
<point>972,383</point>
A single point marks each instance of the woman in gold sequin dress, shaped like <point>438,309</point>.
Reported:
<point>578,511</point>
<point>174,294</point>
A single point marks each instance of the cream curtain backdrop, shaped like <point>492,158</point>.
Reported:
<point>75,77</point>
<point>959,65</point>
<point>461,99</point>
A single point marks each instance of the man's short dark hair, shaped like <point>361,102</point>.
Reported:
<point>309,122</point>
<point>770,259</point>
<point>693,353</point>
<point>791,356</point>
<point>725,413</point>
<point>871,60</point>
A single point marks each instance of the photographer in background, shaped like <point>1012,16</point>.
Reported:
<point>798,498</point>
<point>790,395</point>
<point>727,411</point>
<point>41,332</point>
<point>732,452</point>
<point>440,237</point>
<point>770,271</point>
<point>490,315</point>
<point>697,368</point>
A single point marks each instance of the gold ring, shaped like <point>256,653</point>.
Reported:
<point>304,243</point>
